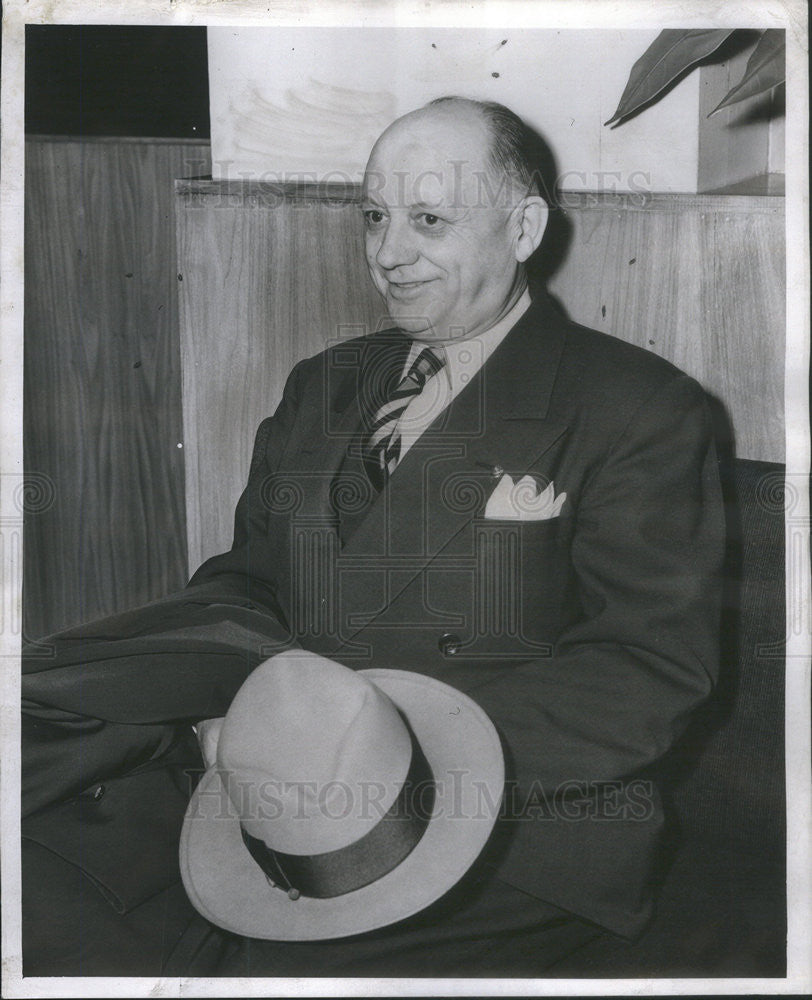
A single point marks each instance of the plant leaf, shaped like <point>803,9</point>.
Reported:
<point>671,53</point>
<point>766,68</point>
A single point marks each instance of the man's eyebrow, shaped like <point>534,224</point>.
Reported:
<point>421,206</point>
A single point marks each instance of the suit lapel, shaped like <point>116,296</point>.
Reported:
<point>354,381</point>
<point>500,419</point>
<point>310,478</point>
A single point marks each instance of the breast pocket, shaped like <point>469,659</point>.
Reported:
<point>521,534</point>
<point>508,552</point>
<point>521,574</point>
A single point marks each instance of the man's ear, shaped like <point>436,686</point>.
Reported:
<point>531,217</point>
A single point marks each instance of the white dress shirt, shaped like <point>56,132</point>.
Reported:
<point>464,358</point>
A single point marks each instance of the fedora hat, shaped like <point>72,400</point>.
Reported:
<point>340,801</point>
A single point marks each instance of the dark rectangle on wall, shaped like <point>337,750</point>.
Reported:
<point>88,80</point>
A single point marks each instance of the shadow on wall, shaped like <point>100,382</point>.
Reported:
<point>557,241</point>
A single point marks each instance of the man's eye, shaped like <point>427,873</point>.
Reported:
<point>429,219</point>
<point>372,217</point>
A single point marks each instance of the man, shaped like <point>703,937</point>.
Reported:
<point>487,494</point>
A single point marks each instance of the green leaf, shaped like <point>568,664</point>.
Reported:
<point>671,53</point>
<point>766,68</point>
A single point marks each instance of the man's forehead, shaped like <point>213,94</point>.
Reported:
<point>421,181</point>
<point>441,127</point>
<point>429,158</point>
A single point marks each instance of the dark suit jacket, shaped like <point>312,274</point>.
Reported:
<point>588,638</point>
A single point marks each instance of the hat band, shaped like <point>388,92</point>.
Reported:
<point>374,855</point>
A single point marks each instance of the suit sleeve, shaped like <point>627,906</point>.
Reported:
<point>647,554</point>
<point>272,436</point>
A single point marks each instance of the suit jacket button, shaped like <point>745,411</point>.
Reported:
<point>449,644</point>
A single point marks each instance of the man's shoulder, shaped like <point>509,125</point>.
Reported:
<point>595,361</point>
<point>337,367</point>
<point>601,354</point>
<point>602,382</point>
<point>347,352</point>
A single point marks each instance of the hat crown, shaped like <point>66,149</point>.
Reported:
<point>312,754</point>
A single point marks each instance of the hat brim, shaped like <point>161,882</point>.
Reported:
<point>462,746</point>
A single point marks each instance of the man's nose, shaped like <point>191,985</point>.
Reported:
<point>397,246</point>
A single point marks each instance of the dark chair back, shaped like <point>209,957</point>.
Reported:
<point>722,905</point>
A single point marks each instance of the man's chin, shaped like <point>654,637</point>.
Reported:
<point>414,325</point>
<point>410,322</point>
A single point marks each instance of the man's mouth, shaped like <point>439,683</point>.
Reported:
<point>404,288</point>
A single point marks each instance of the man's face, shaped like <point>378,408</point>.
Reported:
<point>440,232</point>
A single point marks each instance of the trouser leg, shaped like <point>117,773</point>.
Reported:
<point>483,927</point>
<point>70,929</point>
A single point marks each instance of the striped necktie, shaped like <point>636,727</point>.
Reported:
<point>382,451</point>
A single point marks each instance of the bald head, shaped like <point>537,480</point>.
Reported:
<point>446,233</point>
<point>492,137</point>
<point>439,118</point>
<point>512,151</point>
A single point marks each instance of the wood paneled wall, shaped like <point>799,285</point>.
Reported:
<point>102,410</point>
<point>270,273</point>
<point>700,280</point>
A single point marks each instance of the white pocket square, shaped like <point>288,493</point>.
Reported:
<point>523,501</point>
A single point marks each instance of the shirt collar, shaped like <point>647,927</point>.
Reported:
<point>464,357</point>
